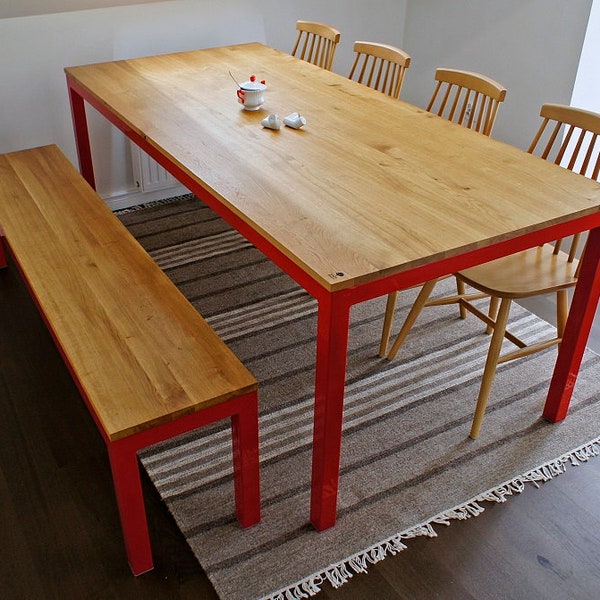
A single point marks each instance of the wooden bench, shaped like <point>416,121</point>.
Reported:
<point>146,363</point>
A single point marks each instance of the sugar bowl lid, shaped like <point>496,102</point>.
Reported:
<point>252,84</point>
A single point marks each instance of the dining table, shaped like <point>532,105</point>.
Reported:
<point>370,195</point>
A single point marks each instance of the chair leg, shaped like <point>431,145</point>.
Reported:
<point>415,311</point>
<point>387,323</point>
<point>490,366</point>
<point>493,312</point>
<point>562,312</point>
<point>461,290</point>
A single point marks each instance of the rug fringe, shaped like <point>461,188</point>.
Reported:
<point>340,573</point>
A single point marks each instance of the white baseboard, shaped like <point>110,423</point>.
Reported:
<point>121,201</point>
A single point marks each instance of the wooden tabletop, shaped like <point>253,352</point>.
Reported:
<point>371,186</point>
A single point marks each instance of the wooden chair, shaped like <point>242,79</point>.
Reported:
<point>380,66</point>
<point>568,137</point>
<point>316,43</point>
<point>471,100</point>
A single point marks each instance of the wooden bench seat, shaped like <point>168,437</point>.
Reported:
<point>146,363</point>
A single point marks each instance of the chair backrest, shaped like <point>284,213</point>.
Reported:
<point>569,137</point>
<point>380,67</point>
<point>316,43</point>
<point>467,98</point>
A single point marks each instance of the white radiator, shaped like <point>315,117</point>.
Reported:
<point>148,175</point>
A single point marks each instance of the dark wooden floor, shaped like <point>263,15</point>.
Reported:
<point>60,535</point>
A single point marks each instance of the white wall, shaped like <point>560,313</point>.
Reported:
<point>531,46</point>
<point>377,20</point>
<point>33,93</point>
<point>24,8</point>
<point>586,93</point>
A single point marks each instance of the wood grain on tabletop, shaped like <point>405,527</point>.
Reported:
<point>370,186</point>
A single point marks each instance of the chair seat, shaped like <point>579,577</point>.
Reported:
<point>532,272</point>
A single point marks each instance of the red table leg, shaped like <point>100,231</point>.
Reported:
<point>581,317</point>
<point>82,137</point>
<point>332,350</point>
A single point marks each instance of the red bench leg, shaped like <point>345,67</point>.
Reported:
<point>244,432</point>
<point>243,411</point>
<point>130,500</point>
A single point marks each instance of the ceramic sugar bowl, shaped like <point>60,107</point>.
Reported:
<point>252,93</point>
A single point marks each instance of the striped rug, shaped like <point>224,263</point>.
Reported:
<point>407,463</point>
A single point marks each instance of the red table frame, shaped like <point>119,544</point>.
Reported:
<point>334,306</point>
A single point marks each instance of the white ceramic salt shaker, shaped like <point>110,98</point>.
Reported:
<point>271,121</point>
<point>294,120</point>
